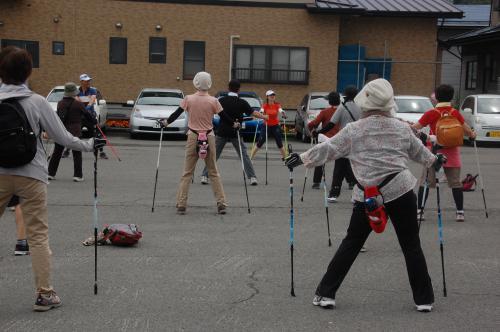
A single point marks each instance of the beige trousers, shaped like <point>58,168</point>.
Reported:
<point>33,196</point>
<point>190,165</point>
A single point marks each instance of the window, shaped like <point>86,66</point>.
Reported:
<point>471,75</point>
<point>194,58</point>
<point>117,50</point>
<point>271,64</point>
<point>468,103</point>
<point>30,46</point>
<point>58,48</point>
<point>157,50</point>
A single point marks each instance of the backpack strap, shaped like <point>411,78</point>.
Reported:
<point>347,109</point>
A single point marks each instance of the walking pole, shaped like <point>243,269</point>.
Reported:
<point>326,207</point>
<point>480,179</point>
<point>243,168</point>
<point>286,140</point>
<point>292,225</point>
<point>422,204</point>
<point>109,143</point>
<point>305,177</point>
<point>255,135</point>
<point>440,226</point>
<point>266,154</point>
<point>95,219</point>
<point>157,166</point>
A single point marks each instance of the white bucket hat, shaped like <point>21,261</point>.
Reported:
<point>377,95</point>
<point>202,81</point>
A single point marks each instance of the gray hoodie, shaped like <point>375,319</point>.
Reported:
<point>40,114</point>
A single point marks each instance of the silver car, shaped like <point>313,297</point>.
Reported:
<point>57,93</point>
<point>310,106</point>
<point>482,113</point>
<point>156,104</point>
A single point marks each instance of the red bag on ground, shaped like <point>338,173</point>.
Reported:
<point>122,234</point>
<point>469,183</point>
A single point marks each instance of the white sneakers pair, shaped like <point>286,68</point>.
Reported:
<point>328,303</point>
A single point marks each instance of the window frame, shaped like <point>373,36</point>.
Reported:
<point>164,54</point>
<point>188,76</point>
<point>471,74</point>
<point>54,43</point>
<point>111,39</point>
<point>21,43</point>
<point>268,79</point>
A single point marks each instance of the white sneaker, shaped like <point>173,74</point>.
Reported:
<point>424,307</point>
<point>204,179</point>
<point>77,179</point>
<point>324,302</point>
<point>363,249</point>
<point>420,212</point>
<point>332,199</point>
<point>253,181</point>
<point>52,177</point>
<point>460,216</point>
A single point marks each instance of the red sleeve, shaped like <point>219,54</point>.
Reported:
<point>458,116</point>
<point>314,123</point>
<point>428,118</point>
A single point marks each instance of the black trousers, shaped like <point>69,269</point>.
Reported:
<point>274,131</point>
<point>56,158</point>
<point>318,174</point>
<point>403,214</point>
<point>341,171</point>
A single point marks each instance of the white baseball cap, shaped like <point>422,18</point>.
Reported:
<point>85,77</point>
<point>270,93</point>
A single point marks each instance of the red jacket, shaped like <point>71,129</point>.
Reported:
<point>324,118</point>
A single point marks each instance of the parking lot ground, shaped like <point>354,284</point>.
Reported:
<point>206,272</point>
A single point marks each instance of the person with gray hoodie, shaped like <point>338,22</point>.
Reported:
<point>29,181</point>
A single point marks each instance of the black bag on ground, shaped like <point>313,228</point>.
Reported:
<point>18,142</point>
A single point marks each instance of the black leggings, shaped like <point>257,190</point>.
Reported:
<point>274,131</point>
<point>56,157</point>
<point>403,214</point>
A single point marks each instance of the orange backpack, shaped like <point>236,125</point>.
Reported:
<point>449,131</point>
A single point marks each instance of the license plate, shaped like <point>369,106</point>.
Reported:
<point>243,125</point>
<point>494,133</point>
<point>156,125</point>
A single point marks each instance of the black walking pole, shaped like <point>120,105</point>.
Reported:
<point>424,200</point>
<point>480,179</point>
<point>157,166</point>
<point>292,224</point>
<point>326,208</point>
<point>243,167</point>
<point>440,226</point>
<point>95,216</point>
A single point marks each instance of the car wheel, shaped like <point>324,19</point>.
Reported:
<point>134,135</point>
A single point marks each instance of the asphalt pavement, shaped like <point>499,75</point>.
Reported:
<point>206,272</point>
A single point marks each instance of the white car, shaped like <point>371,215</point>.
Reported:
<point>57,93</point>
<point>482,113</point>
<point>411,108</point>
<point>156,104</point>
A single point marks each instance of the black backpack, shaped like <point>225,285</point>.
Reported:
<point>18,142</point>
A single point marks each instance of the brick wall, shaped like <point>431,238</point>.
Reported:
<point>407,39</point>
<point>86,29</point>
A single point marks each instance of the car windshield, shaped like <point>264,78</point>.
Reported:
<point>160,98</point>
<point>318,103</point>
<point>488,105</point>
<point>254,102</point>
<point>55,96</point>
<point>413,105</point>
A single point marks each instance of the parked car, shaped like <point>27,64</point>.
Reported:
<point>154,104</point>
<point>308,109</point>
<point>250,124</point>
<point>482,113</point>
<point>411,108</point>
<point>101,109</point>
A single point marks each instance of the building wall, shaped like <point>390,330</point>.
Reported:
<point>407,39</point>
<point>86,29</point>
<point>495,17</point>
